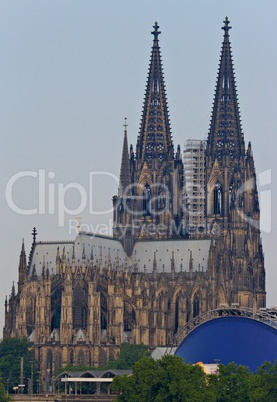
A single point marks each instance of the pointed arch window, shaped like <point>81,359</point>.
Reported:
<point>77,310</point>
<point>58,361</point>
<point>120,212</point>
<point>49,361</point>
<point>79,307</point>
<point>159,302</point>
<point>147,200</point>
<point>129,317</point>
<point>155,85</point>
<point>162,199</point>
<point>80,358</point>
<point>102,357</point>
<point>84,317</point>
<point>71,357</point>
<point>104,311</point>
<point>56,319</point>
<point>231,194</point>
<point>176,320</point>
<point>218,198</point>
<point>103,321</point>
<point>196,305</point>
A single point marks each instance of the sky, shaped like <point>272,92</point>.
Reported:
<point>71,71</point>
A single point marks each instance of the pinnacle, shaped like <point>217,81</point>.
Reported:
<point>125,178</point>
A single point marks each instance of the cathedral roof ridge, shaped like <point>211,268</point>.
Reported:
<point>207,238</point>
<point>54,242</point>
<point>96,235</point>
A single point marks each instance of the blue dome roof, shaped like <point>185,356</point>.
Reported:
<point>230,339</point>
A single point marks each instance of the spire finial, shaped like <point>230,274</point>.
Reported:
<point>226,26</point>
<point>34,233</point>
<point>79,224</point>
<point>125,125</point>
<point>156,31</point>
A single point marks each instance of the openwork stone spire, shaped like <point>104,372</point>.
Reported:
<point>154,141</point>
<point>225,135</point>
<point>125,178</point>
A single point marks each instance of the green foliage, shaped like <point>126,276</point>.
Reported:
<point>164,380</point>
<point>11,351</point>
<point>264,387</point>
<point>3,396</point>
<point>128,356</point>
<point>171,380</point>
<point>234,383</point>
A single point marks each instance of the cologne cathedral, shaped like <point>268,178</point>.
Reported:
<point>77,301</point>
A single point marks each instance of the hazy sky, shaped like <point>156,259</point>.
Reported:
<point>70,71</point>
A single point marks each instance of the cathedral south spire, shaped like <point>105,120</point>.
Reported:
<point>225,153</point>
<point>232,207</point>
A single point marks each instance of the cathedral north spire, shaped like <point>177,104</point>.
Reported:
<point>154,174</point>
<point>154,141</point>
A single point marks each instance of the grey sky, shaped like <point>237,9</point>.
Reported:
<point>70,71</point>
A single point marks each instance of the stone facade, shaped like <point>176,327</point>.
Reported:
<point>78,301</point>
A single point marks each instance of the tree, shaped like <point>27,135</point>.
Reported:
<point>129,354</point>
<point>264,387</point>
<point>11,351</point>
<point>3,396</point>
<point>233,383</point>
<point>165,380</point>
<point>127,357</point>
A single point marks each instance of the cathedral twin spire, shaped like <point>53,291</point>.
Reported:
<point>155,174</point>
<point>225,137</point>
<point>154,141</point>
